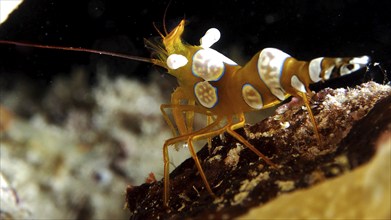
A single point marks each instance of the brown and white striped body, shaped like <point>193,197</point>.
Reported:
<point>267,79</point>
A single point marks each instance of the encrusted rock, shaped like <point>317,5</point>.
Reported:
<point>350,123</point>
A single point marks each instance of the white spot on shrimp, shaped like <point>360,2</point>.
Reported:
<point>210,37</point>
<point>315,68</point>
<point>207,66</point>
<point>206,94</point>
<point>354,65</point>
<point>348,68</point>
<point>297,84</point>
<point>328,72</point>
<point>251,96</point>
<point>364,60</point>
<point>270,65</point>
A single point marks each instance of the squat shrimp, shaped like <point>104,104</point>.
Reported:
<point>215,86</point>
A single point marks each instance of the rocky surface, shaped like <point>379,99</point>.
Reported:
<point>354,125</point>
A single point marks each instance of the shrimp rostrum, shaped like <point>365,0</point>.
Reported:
<point>213,85</point>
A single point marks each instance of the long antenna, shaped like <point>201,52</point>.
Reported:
<point>164,18</point>
<point>124,56</point>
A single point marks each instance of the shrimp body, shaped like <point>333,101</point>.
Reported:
<point>213,85</point>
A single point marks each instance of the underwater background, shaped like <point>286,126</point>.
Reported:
<point>77,128</point>
<point>304,29</point>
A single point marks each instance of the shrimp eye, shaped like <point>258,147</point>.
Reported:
<point>175,61</point>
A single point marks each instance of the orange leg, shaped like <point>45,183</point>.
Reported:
<point>176,96</point>
<point>209,120</point>
<point>184,126</point>
<point>230,130</point>
<point>207,132</point>
<point>307,104</point>
<point>200,134</point>
<point>189,110</point>
<point>167,119</point>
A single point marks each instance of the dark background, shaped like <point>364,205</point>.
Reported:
<point>303,28</point>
